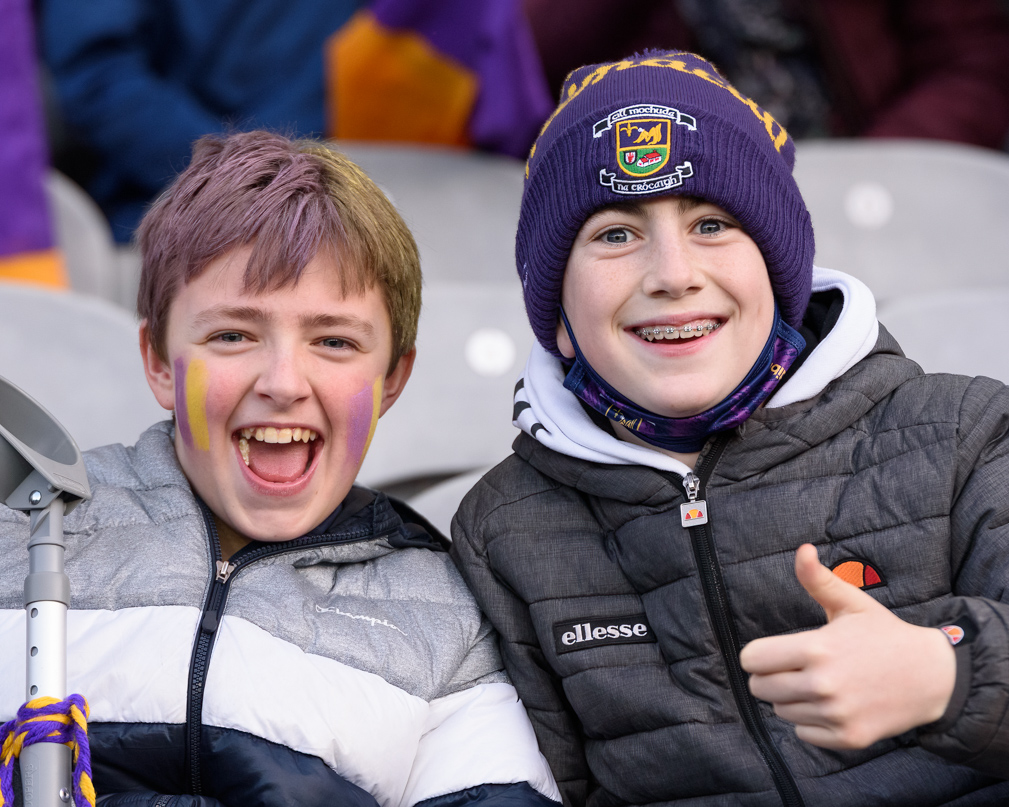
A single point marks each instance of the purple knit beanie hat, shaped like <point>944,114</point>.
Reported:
<point>656,124</point>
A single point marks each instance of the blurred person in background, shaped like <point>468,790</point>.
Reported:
<point>848,68</point>
<point>26,237</point>
<point>137,81</point>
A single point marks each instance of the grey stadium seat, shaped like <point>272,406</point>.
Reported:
<point>964,331</point>
<point>908,216</point>
<point>78,356</point>
<point>455,413</point>
<point>461,206</point>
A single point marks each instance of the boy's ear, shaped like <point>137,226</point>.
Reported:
<point>396,380</point>
<point>159,373</point>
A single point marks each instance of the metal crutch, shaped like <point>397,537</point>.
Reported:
<point>42,474</point>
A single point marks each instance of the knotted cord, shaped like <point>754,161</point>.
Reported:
<point>47,720</point>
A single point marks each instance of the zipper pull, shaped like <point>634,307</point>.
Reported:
<point>694,511</point>
<point>224,570</point>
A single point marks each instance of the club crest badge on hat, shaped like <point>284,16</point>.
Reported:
<point>643,145</point>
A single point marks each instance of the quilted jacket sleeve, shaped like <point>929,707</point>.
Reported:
<point>975,728</point>
<point>556,727</point>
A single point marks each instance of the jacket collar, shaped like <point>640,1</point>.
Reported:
<point>368,524</point>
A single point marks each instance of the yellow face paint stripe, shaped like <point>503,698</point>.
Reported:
<point>197,383</point>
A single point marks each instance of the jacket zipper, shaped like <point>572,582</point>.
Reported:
<point>207,633</point>
<point>725,631</point>
<point>213,608</point>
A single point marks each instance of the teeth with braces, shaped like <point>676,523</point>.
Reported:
<point>673,332</point>
<point>271,434</point>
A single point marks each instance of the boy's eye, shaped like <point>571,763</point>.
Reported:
<point>711,227</point>
<point>231,336</point>
<point>618,235</point>
<point>333,342</point>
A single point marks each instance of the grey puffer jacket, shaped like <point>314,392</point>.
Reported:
<point>348,666</point>
<point>621,627</point>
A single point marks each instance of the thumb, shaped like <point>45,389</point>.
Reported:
<point>834,594</point>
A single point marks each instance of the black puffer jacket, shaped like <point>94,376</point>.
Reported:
<point>908,473</point>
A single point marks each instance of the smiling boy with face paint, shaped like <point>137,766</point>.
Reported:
<point>745,552</point>
<point>250,626</point>
<point>276,395</point>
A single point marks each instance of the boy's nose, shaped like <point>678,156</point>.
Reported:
<point>282,380</point>
<point>672,269</point>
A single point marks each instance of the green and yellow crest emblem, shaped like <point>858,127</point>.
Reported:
<point>643,145</point>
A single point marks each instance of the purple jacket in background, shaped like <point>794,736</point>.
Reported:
<point>493,39</point>
<point>24,214</point>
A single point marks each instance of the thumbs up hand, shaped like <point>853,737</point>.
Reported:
<point>864,676</point>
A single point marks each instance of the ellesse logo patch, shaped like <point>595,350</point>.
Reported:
<point>581,634</point>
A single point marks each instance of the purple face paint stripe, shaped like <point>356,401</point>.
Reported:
<point>181,409</point>
<point>359,423</point>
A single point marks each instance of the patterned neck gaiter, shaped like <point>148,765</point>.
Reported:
<point>686,435</point>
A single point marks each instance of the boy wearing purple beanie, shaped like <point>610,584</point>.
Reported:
<point>745,552</point>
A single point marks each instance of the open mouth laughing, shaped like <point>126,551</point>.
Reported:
<point>280,455</point>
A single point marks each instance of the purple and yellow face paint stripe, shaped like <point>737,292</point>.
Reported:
<point>191,384</point>
<point>364,409</point>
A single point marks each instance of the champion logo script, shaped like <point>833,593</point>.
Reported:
<point>371,620</point>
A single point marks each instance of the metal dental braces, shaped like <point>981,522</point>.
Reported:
<point>669,329</point>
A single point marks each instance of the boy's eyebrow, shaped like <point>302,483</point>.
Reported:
<point>245,313</point>
<point>631,208</point>
<point>684,201</point>
<point>337,321</point>
<point>250,313</point>
<point>687,202</point>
